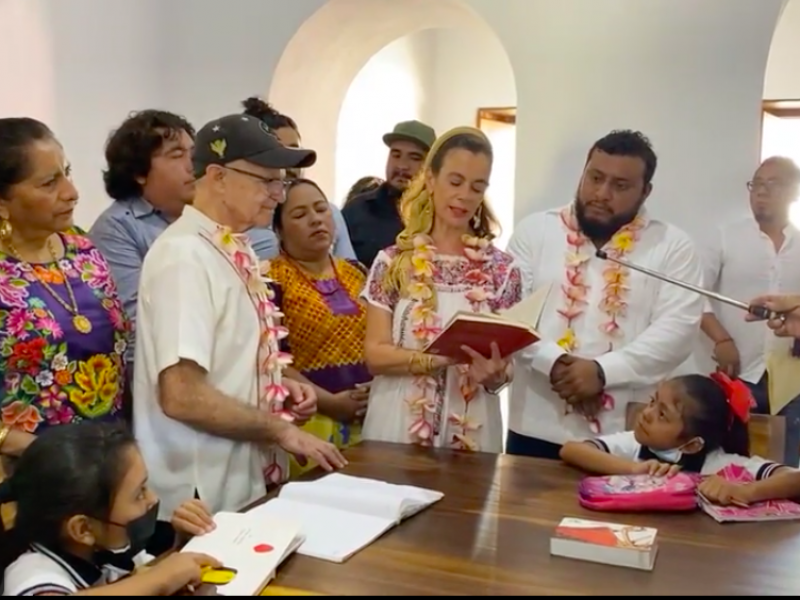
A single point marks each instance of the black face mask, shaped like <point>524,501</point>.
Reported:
<point>139,531</point>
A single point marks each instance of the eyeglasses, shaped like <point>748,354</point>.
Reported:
<point>770,185</point>
<point>274,186</point>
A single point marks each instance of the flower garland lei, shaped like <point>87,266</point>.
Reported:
<point>427,400</point>
<point>270,360</point>
<point>613,302</point>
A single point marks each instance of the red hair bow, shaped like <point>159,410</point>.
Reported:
<point>740,398</point>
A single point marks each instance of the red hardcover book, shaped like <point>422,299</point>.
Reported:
<point>478,331</point>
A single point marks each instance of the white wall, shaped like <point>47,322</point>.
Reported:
<point>471,70</point>
<point>395,85</point>
<point>96,63</point>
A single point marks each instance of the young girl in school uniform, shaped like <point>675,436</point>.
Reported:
<point>696,424</point>
<point>84,515</point>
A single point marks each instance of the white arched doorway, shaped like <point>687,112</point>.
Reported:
<point>323,58</point>
<point>780,125</point>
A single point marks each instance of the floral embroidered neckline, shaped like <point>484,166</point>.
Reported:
<point>613,303</point>
<point>427,399</point>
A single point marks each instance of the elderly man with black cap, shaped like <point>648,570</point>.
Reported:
<point>214,417</point>
<point>373,219</point>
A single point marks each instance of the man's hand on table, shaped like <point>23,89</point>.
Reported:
<point>305,446</point>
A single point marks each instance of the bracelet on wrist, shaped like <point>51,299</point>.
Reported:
<point>420,363</point>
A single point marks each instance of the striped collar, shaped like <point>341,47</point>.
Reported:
<point>82,572</point>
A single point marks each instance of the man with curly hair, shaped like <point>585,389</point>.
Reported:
<point>150,177</point>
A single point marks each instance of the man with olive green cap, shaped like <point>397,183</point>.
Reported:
<point>373,218</point>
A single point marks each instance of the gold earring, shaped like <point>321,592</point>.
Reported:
<point>5,230</point>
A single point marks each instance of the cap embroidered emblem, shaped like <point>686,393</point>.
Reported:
<point>218,147</point>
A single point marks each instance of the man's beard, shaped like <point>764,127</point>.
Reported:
<point>602,232</point>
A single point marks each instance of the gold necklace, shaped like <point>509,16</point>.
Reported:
<point>80,322</point>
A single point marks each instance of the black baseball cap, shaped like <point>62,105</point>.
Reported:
<point>242,137</point>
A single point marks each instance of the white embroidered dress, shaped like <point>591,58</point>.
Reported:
<point>475,425</point>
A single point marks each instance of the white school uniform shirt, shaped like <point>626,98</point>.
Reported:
<point>740,261</point>
<point>192,305</point>
<point>658,332</point>
<point>624,445</point>
<point>41,571</point>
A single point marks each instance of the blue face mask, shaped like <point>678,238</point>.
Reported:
<point>672,457</point>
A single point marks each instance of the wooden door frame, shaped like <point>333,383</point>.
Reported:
<point>500,114</point>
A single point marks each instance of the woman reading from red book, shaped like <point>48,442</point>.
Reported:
<point>443,262</point>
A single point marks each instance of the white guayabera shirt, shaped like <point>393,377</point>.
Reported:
<point>658,331</point>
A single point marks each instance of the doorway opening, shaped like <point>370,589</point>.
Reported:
<point>780,136</point>
<point>500,126</point>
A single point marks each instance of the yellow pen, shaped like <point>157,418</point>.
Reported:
<point>220,576</point>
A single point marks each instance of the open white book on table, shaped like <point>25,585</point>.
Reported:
<point>250,549</point>
<point>340,514</point>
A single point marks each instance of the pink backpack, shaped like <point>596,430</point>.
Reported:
<point>635,493</point>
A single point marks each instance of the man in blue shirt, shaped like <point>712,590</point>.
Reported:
<point>150,177</point>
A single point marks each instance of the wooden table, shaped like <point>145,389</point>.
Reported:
<point>490,535</point>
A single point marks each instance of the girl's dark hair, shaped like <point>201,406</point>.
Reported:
<point>16,135</point>
<point>68,470</point>
<point>258,108</point>
<point>130,149</point>
<point>277,223</point>
<point>712,418</point>
<point>625,142</point>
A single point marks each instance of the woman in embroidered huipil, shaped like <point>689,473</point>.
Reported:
<point>63,331</point>
<point>443,262</point>
<point>323,314</point>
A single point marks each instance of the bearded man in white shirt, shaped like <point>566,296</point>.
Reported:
<point>757,254</point>
<point>212,411</point>
<point>609,333</point>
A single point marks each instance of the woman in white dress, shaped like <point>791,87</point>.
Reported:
<point>443,262</point>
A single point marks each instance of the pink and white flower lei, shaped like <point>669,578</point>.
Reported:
<point>427,400</point>
<point>613,303</point>
<point>270,360</point>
